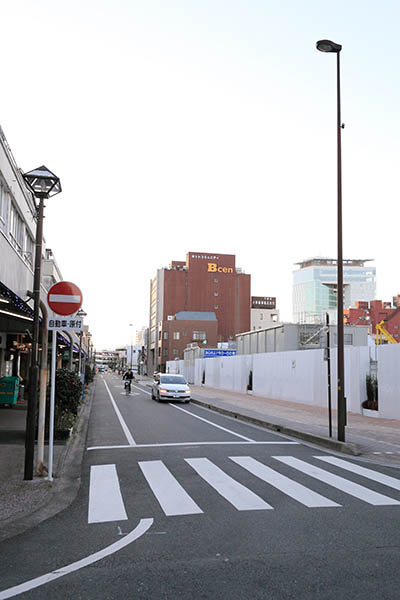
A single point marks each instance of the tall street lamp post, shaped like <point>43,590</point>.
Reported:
<point>43,184</point>
<point>329,46</point>
<point>131,325</point>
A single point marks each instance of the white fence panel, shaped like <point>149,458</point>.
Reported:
<point>389,381</point>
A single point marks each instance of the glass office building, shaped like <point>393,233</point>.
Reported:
<point>315,288</point>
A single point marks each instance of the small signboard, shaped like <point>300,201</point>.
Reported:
<point>65,323</point>
<point>212,352</point>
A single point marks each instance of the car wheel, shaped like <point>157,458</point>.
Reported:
<point>187,401</point>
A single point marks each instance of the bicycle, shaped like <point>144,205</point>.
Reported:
<point>127,386</point>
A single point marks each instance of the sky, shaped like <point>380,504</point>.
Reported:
<point>203,125</point>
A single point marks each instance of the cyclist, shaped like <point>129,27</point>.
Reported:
<point>128,376</point>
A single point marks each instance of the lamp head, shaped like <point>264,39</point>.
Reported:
<point>328,46</point>
<point>42,182</point>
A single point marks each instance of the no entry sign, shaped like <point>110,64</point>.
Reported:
<point>64,298</point>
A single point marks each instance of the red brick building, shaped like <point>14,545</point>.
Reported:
<point>208,283</point>
<point>375,311</point>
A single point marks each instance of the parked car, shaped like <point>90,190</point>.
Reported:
<point>170,387</point>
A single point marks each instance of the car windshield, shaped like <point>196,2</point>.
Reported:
<point>171,379</point>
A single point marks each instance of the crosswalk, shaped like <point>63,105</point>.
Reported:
<point>106,499</point>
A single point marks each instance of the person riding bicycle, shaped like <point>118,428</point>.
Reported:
<point>128,376</point>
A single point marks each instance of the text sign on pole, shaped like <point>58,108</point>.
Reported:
<point>65,324</point>
<point>64,298</point>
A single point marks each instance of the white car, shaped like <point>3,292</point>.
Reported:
<point>170,387</point>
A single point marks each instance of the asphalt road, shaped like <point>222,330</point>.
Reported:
<point>180,502</point>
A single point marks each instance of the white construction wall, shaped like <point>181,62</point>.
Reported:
<point>301,376</point>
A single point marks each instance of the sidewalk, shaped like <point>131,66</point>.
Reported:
<point>24,504</point>
<point>377,440</point>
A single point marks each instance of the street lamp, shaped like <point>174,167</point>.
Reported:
<point>329,46</point>
<point>43,184</point>
<point>131,325</point>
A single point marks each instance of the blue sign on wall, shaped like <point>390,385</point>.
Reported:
<point>213,353</point>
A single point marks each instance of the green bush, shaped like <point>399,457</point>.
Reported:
<point>67,399</point>
<point>372,393</point>
<point>89,374</point>
<point>250,384</point>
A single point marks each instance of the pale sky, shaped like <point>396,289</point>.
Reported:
<point>207,125</point>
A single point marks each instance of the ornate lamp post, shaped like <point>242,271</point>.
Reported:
<point>332,47</point>
<point>43,184</point>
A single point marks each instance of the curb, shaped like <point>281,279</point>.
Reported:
<point>65,485</point>
<point>344,447</point>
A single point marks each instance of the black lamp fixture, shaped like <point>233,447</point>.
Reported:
<point>328,46</point>
<point>43,184</point>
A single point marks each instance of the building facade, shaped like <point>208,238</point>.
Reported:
<point>263,312</point>
<point>204,283</point>
<point>315,288</point>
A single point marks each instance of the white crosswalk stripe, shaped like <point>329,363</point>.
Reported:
<point>359,470</point>
<point>173,499</point>
<point>105,498</point>
<point>237,494</point>
<point>106,502</point>
<point>284,484</point>
<point>354,489</point>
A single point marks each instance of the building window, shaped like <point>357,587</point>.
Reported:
<point>215,280</point>
<point>175,352</point>
<point>199,335</point>
<point>177,335</point>
<point>165,352</point>
<point>216,307</point>
<point>261,316</point>
<point>215,293</point>
<point>274,318</point>
<point>3,203</point>
<point>16,229</point>
<point>165,335</point>
<point>185,333</point>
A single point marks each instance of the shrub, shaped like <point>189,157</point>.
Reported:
<point>89,373</point>
<point>372,393</point>
<point>67,400</point>
<point>250,384</point>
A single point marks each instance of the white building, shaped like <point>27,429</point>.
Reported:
<point>315,288</point>
<point>263,312</point>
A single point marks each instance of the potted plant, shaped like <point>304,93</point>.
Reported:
<point>371,403</point>
<point>250,384</point>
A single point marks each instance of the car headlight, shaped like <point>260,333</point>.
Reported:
<point>163,391</point>
<point>187,391</point>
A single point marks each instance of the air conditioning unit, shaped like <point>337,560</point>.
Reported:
<point>170,318</point>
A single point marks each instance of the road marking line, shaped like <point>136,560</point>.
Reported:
<point>358,491</point>
<point>105,498</point>
<point>139,388</point>
<point>124,426</point>
<point>173,499</point>
<point>211,423</point>
<point>237,494</point>
<point>369,473</point>
<point>289,487</point>
<point>188,444</point>
<point>142,527</point>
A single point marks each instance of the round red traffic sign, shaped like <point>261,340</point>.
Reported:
<point>64,298</point>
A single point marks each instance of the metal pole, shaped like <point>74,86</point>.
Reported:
<point>52,402</point>
<point>34,367</point>
<point>80,354</point>
<point>328,360</point>
<point>42,394</point>
<point>340,333</point>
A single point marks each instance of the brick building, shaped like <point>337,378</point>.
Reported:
<point>206,284</point>
<point>375,311</point>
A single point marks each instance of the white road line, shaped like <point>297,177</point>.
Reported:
<point>211,423</point>
<point>237,494</point>
<point>141,389</point>
<point>369,473</point>
<point>358,491</point>
<point>142,527</point>
<point>173,499</point>
<point>105,498</point>
<point>189,444</point>
<point>289,487</point>
<point>124,426</point>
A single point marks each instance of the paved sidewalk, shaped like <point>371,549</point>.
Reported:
<point>374,439</point>
<point>24,504</point>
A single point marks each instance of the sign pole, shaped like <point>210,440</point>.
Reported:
<point>52,402</point>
